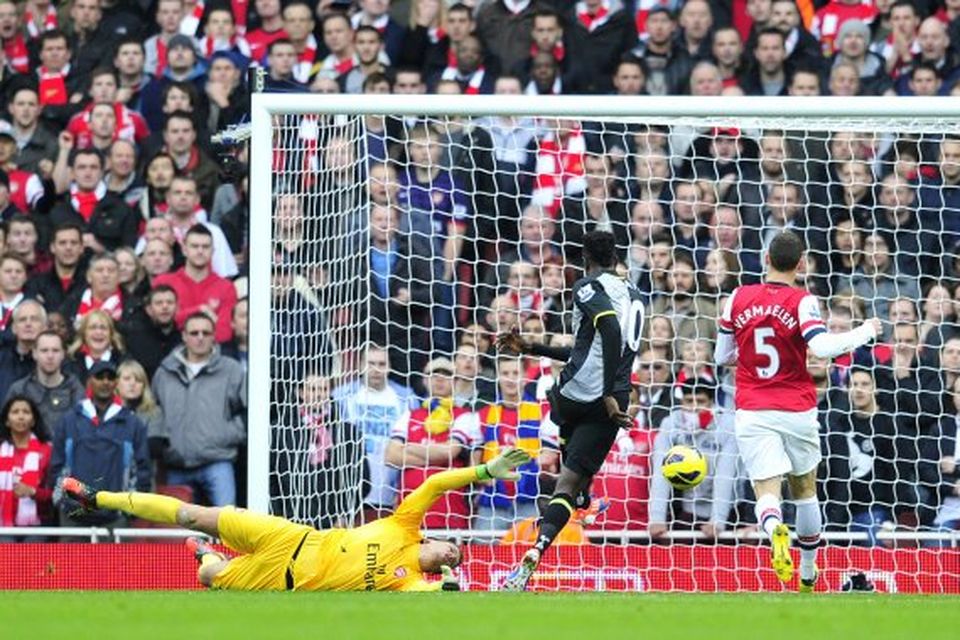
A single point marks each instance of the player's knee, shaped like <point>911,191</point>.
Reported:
<point>569,482</point>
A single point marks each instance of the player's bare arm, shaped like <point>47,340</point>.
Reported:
<point>513,341</point>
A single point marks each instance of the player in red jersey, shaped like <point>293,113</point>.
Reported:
<point>766,329</point>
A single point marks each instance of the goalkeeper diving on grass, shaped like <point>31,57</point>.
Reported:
<point>589,401</point>
<point>390,554</point>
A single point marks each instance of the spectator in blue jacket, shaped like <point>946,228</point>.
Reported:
<point>102,443</point>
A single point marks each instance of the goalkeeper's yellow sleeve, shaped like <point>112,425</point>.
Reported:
<point>411,510</point>
<point>423,585</point>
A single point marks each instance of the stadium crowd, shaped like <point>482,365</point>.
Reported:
<point>123,316</point>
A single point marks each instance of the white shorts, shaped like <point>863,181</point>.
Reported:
<point>775,443</point>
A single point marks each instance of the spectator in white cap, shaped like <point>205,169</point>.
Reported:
<point>425,441</point>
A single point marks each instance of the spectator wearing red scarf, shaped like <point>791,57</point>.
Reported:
<point>12,39</point>
<point>107,220</point>
<point>167,17</point>
<point>59,83</point>
<point>470,71</point>
<point>104,88</point>
<point>102,294</point>
<point>180,141</point>
<point>24,460</point>
<point>600,33</point>
<point>548,38</point>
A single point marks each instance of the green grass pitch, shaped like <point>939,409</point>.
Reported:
<point>469,616</point>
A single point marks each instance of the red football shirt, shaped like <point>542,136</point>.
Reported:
<point>624,479</point>
<point>452,509</point>
<point>771,324</point>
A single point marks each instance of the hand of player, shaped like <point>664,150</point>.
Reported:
<point>877,326</point>
<point>657,530</point>
<point>512,342</point>
<point>503,467</point>
<point>449,581</point>
<point>618,417</point>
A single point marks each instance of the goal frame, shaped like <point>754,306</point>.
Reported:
<point>266,105</point>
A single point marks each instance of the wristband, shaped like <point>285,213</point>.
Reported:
<point>483,473</point>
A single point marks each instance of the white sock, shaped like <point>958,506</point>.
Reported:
<point>768,513</point>
<point>809,524</point>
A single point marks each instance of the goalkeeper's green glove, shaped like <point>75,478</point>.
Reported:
<point>504,466</point>
<point>449,581</point>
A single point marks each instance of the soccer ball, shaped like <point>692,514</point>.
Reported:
<point>684,467</point>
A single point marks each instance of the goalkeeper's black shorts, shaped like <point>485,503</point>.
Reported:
<point>586,432</point>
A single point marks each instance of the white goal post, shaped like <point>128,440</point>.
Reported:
<point>882,117</point>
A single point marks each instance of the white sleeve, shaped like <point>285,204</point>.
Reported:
<point>811,321</point>
<point>831,345</point>
<point>466,430</point>
<point>725,352</point>
<point>822,343</point>
<point>401,427</point>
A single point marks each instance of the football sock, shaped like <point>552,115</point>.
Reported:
<point>768,513</point>
<point>809,524</point>
<point>555,518</point>
<point>149,506</point>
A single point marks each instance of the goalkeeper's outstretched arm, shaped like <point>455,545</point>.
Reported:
<point>503,467</point>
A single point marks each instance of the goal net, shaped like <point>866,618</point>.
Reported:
<point>404,233</point>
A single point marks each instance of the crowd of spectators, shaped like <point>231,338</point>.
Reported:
<point>123,326</point>
<point>123,315</point>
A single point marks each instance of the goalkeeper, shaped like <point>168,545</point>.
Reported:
<point>390,554</point>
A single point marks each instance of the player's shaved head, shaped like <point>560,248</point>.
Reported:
<point>786,249</point>
<point>434,554</point>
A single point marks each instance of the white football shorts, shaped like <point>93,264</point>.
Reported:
<point>774,443</point>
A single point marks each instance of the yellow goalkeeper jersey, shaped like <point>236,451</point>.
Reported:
<point>383,555</point>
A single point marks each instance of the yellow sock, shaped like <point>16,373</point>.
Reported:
<point>149,506</point>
